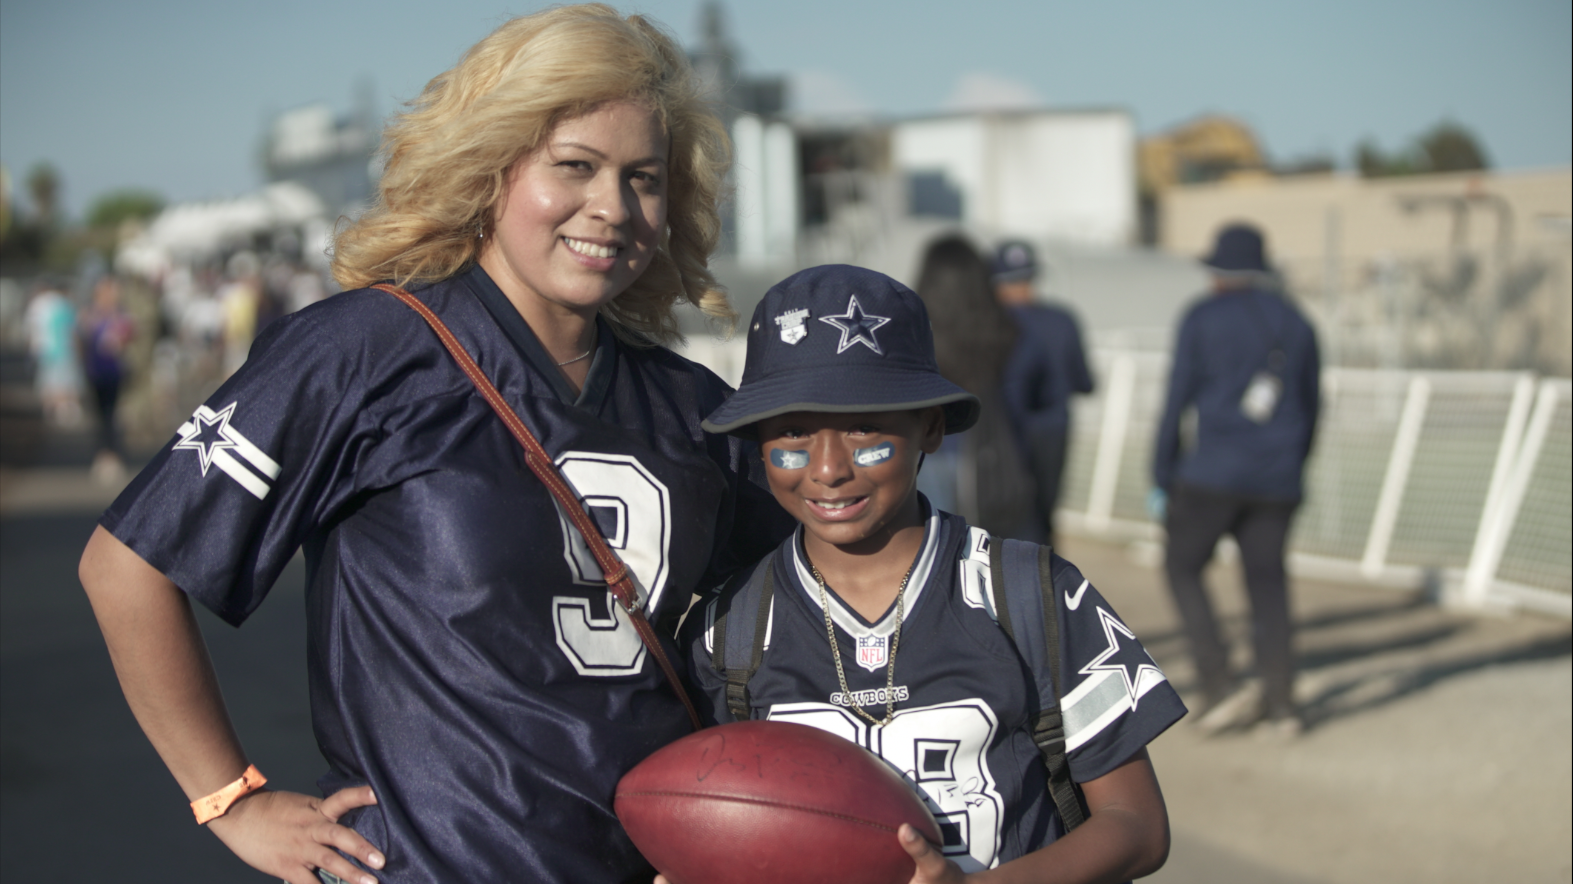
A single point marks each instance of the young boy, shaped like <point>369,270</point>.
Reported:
<point>882,625</point>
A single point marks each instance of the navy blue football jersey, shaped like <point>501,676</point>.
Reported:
<point>466,658</point>
<point>961,734</point>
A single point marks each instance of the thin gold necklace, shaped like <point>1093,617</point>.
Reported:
<point>576,358</point>
<point>890,666</point>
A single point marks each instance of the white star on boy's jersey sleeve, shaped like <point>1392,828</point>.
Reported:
<point>1114,697</point>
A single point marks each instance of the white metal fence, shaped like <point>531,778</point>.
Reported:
<point>1464,478</point>
<point>1459,477</point>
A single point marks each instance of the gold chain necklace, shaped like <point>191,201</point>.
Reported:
<point>895,643</point>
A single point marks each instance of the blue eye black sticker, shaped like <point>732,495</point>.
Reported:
<point>789,460</point>
<point>867,457</point>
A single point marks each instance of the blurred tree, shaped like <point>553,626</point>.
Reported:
<point>1445,147</point>
<point>5,202</point>
<point>1373,162</point>
<point>1449,147</point>
<point>116,207</point>
<point>1313,164</point>
<point>43,185</point>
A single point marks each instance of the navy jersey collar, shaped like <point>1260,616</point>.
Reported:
<point>847,617</point>
<point>534,352</point>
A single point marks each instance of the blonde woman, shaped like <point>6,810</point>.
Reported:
<point>475,691</point>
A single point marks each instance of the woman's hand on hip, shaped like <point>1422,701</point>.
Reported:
<point>289,835</point>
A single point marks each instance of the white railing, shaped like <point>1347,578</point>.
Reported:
<point>1461,479</point>
<point>1458,479</point>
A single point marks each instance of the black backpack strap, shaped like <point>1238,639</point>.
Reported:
<point>1024,587</point>
<point>1049,730</point>
<point>997,581</point>
<point>738,644</point>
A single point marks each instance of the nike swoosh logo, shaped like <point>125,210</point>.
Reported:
<point>1074,601</point>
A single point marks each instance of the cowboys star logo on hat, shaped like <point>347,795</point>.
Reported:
<point>856,327</point>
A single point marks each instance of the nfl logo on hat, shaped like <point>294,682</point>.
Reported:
<point>871,651</point>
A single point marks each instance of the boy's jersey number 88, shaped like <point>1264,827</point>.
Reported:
<point>940,750</point>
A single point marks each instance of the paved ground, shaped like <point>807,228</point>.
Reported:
<point>1439,748</point>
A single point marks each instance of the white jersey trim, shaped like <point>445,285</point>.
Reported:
<point>922,570</point>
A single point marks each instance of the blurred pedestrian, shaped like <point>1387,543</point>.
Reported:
<point>1247,362</point>
<point>1046,368</point>
<point>979,474</point>
<point>106,329</point>
<point>277,274</point>
<point>305,289</point>
<point>51,336</point>
<point>242,299</point>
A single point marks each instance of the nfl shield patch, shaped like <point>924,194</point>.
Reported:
<point>871,652</point>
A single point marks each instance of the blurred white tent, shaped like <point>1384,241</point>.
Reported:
<point>192,233</point>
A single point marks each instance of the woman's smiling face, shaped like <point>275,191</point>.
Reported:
<point>583,213</point>
<point>849,478</point>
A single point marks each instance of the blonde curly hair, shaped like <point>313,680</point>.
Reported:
<point>448,157</point>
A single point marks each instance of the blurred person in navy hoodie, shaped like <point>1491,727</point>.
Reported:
<point>1246,361</point>
<point>106,329</point>
<point>1047,367</point>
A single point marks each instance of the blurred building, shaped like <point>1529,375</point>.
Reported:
<point>809,188</point>
<point>1064,175</point>
<point>717,62</point>
<point>285,216</point>
<point>864,189</point>
<point>332,156</point>
<point>1208,148</point>
<point>1455,270</point>
<point>759,225</point>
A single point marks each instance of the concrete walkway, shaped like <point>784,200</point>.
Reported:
<point>1438,750</point>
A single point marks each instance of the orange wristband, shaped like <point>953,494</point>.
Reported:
<point>216,805</point>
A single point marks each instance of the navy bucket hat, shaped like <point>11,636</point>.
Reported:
<point>1239,249</point>
<point>840,339</point>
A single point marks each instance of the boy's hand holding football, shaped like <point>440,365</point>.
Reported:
<point>933,867</point>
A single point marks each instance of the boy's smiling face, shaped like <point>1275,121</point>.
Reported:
<point>851,479</point>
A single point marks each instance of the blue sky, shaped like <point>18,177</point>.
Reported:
<point>172,95</point>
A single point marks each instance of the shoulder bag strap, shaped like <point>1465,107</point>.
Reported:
<point>1275,351</point>
<point>617,575</point>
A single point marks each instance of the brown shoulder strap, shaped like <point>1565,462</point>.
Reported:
<point>617,575</point>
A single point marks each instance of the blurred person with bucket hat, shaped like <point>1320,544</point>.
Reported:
<point>1047,366</point>
<point>1246,364</point>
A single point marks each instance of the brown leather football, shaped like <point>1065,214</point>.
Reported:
<point>763,802</point>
